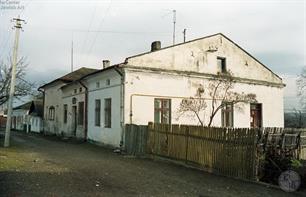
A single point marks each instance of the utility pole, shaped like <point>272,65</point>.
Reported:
<point>174,21</point>
<point>13,79</point>
<point>184,33</point>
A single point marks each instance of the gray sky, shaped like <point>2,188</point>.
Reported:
<point>272,31</point>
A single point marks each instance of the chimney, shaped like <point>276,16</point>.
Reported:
<point>106,63</point>
<point>155,46</point>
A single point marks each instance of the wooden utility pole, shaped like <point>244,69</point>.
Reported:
<point>13,79</point>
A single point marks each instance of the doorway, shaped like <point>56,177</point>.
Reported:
<point>74,120</point>
<point>256,115</point>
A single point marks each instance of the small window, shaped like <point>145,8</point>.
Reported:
<point>80,89</point>
<point>97,112</point>
<point>81,113</point>
<point>227,115</point>
<point>108,112</point>
<point>51,113</point>
<point>221,62</point>
<point>97,84</point>
<point>162,111</point>
<point>65,113</point>
<point>107,82</point>
<point>75,91</point>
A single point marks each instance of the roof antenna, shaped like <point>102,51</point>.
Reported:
<point>72,55</point>
<point>174,21</point>
<point>184,33</point>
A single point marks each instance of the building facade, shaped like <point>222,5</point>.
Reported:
<point>150,87</point>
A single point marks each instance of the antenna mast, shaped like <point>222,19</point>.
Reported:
<point>174,21</point>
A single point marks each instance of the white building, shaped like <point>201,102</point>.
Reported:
<point>28,117</point>
<point>149,87</point>
<point>64,108</point>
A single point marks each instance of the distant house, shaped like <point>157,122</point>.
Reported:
<point>64,104</point>
<point>150,87</point>
<point>28,117</point>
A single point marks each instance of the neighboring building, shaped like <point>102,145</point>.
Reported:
<point>28,117</point>
<point>2,121</point>
<point>63,99</point>
<point>149,88</point>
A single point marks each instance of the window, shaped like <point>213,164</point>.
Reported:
<point>65,113</point>
<point>80,89</point>
<point>51,113</point>
<point>107,82</point>
<point>75,91</point>
<point>97,112</point>
<point>221,63</point>
<point>81,113</point>
<point>162,111</point>
<point>227,115</point>
<point>97,84</point>
<point>108,112</point>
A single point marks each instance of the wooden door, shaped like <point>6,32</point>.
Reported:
<point>74,120</point>
<point>256,115</point>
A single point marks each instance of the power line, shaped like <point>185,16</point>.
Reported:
<point>10,34</point>
<point>100,25</point>
<point>89,26</point>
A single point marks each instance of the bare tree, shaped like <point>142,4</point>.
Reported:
<point>301,85</point>
<point>22,88</point>
<point>195,105</point>
<point>219,93</point>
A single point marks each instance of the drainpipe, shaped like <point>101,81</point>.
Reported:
<point>122,94</point>
<point>43,111</point>
<point>86,110</point>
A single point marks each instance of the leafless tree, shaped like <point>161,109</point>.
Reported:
<point>218,92</point>
<point>22,88</point>
<point>301,85</point>
<point>195,105</point>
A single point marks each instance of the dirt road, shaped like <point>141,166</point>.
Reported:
<point>40,166</point>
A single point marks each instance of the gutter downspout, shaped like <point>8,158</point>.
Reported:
<point>86,110</point>
<point>122,93</point>
<point>43,116</point>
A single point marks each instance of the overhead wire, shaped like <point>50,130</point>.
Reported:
<point>100,25</point>
<point>88,29</point>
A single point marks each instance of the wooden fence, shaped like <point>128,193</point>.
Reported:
<point>230,152</point>
<point>303,145</point>
<point>136,139</point>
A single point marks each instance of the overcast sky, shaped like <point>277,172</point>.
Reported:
<point>272,31</point>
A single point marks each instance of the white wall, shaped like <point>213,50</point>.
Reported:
<point>53,97</point>
<point>153,85</point>
<point>195,56</point>
<point>67,96</point>
<point>36,124</point>
<point>19,116</point>
<point>108,136</point>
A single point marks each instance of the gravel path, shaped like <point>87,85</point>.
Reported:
<point>44,166</point>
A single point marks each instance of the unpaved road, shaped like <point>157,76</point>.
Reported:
<point>44,166</point>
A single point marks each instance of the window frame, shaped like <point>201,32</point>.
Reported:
<point>97,112</point>
<point>162,110</point>
<point>227,114</point>
<point>223,68</point>
<point>51,113</point>
<point>108,113</point>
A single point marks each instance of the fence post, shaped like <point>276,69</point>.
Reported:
<point>187,143</point>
